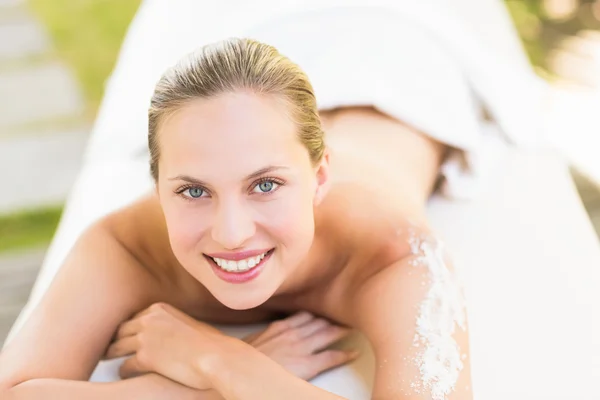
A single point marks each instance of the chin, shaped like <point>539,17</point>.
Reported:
<point>244,301</point>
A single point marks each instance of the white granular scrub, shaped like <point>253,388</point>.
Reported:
<point>443,308</point>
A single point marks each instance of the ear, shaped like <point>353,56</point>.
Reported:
<point>323,179</point>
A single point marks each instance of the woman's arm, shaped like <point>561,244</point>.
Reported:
<point>147,387</point>
<point>413,313</point>
<point>99,286</point>
<point>242,373</point>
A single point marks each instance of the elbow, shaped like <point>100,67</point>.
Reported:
<point>6,391</point>
<point>6,394</point>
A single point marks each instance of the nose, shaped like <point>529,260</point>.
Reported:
<point>233,225</point>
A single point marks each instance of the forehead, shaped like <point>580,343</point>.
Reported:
<point>246,128</point>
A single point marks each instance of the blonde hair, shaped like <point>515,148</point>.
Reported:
<point>228,66</point>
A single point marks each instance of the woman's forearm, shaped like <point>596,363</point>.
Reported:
<point>147,387</point>
<point>251,375</point>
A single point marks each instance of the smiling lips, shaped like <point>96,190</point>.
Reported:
<point>239,267</point>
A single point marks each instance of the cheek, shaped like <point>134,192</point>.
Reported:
<point>186,225</point>
<point>290,219</point>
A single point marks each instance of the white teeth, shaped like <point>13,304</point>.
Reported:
<point>232,266</point>
<point>239,266</point>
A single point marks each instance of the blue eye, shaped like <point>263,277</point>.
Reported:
<point>195,192</point>
<point>266,186</point>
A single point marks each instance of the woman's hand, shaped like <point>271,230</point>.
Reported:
<point>167,341</point>
<point>298,342</point>
<point>164,340</point>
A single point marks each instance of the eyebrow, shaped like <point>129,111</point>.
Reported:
<point>255,174</point>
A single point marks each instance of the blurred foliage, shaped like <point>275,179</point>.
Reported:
<point>541,32</point>
<point>87,34</point>
<point>28,228</point>
<point>527,17</point>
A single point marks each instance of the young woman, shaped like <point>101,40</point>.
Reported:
<point>263,208</point>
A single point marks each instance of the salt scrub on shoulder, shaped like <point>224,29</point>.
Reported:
<point>442,310</point>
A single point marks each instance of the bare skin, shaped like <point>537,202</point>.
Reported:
<point>141,228</point>
<point>382,173</point>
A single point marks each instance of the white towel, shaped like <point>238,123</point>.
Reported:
<point>417,61</point>
<point>417,64</point>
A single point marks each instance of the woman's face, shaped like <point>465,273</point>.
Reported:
<point>237,189</point>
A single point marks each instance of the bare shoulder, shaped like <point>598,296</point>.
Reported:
<point>141,231</point>
<point>139,219</point>
<point>414,314</point>
<point>380,238</point>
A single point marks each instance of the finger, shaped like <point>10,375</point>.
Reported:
<point>123,347</point>
<point>326,337</point>
<point>292,322</point>
<point>312,327</point>
<point>329,359</point>
<point>298,319</point>
<point>282,325</point>
<point>153,308</point>
<point>128,328</point>
<point>131,368</point>
<point>253,336</point>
